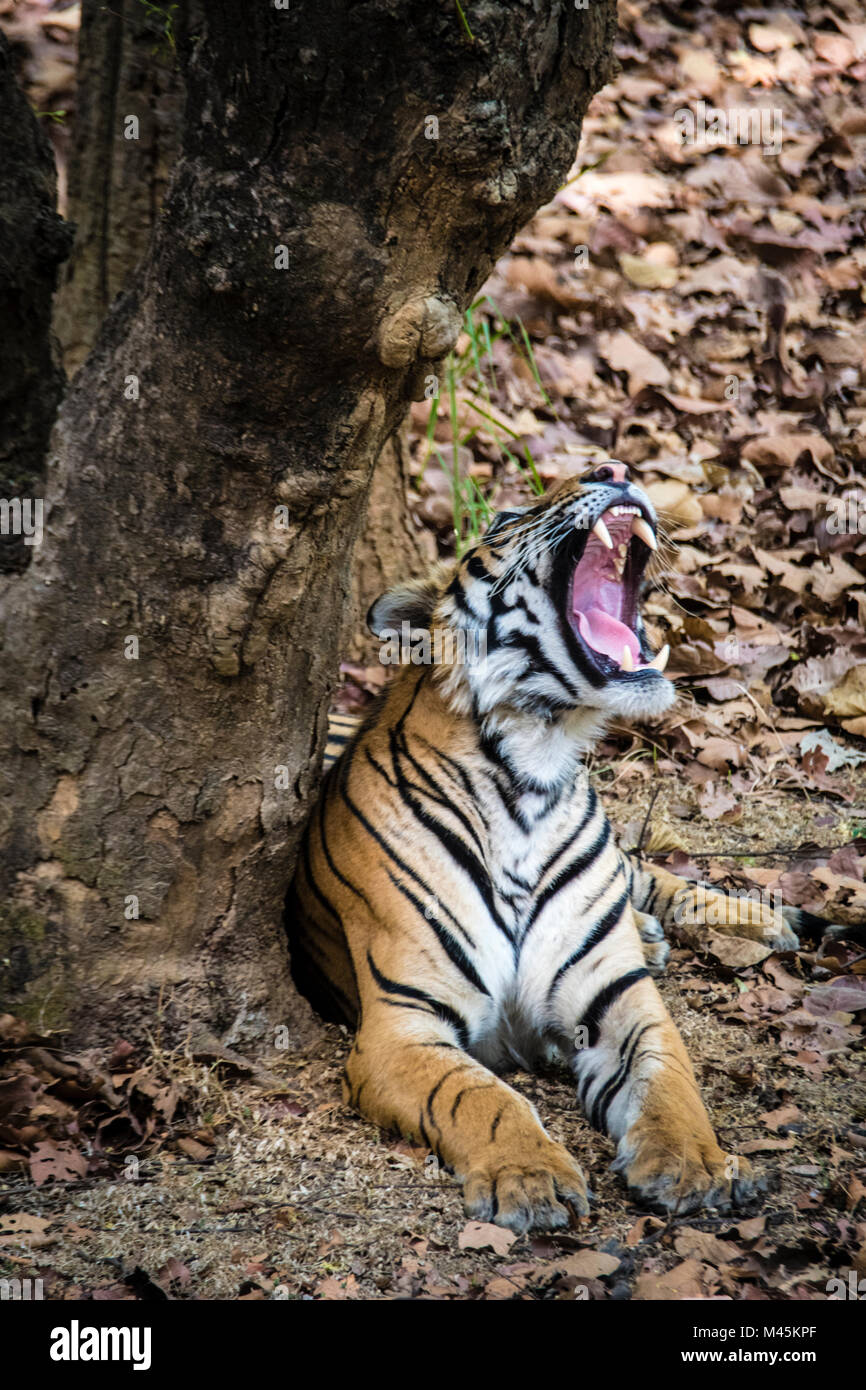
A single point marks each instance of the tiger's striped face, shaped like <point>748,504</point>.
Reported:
<point>548,604</point>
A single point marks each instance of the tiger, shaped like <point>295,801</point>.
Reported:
<point>460,900</point>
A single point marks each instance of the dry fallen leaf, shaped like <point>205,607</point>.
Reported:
<point>622,193</point>
<point>776,1119</point>
<point>783,451</point>
<point>704,1246</point>
<point>587,1264</point>
<point>647,275</point>
<point>624,354</point>
<point>685,1280</point>
<point>848,699</point>
<point>751,1229</point>
<point>23,1229</point>
<point>737,952</point>
<point>717,803</point>
<point>676,501</point>
<point>60,1161</point>
<point>484,1235</point>
<point>761,1146</point>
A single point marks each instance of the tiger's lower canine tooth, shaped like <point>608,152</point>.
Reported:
<point>627,663</point>
<point>644,532</point>
<point>603,534</point>
<point>660,661</point>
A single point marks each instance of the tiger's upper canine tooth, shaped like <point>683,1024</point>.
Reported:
<point>603,534</point>
<point>627,663</point>
<point>660,661</point>
<point>643,530</point>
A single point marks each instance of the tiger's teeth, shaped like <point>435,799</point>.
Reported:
<point>660,661</point>
<point>627,664</point>
<point>603,534</point>
<point>643,531</point>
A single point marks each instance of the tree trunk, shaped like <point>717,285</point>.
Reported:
<point>33,242</point>
<point>169,654</point>
<point>118,175</point>
<point>389,548</point>
<point>126,65</point>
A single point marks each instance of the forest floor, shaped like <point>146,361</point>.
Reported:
<point>697,311</point>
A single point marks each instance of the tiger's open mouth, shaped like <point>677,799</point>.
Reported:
<point>605,588</point>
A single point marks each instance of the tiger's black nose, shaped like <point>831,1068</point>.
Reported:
<point>610,473</point>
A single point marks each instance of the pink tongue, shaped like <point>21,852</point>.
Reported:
<point>608,635</point>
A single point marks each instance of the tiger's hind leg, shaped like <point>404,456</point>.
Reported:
<point>635,1080</point>
<point>408,1071</point>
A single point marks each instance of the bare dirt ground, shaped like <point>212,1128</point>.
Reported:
<point>268,1187</point>
<point>197,1174</point>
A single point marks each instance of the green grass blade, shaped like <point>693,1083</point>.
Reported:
<point>464,21</point>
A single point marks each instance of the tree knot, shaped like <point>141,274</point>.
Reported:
<point>423,327</point>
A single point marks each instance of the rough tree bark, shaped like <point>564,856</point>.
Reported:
<point>118,176</point>
<point>127,64</point>
<point>389,547</point>
<point>169,653</point>
<point>33,243</point>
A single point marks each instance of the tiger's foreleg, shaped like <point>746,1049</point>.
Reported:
<point>670,900</point>
<point>409,1071</point>
<point>656,950</point>
<point>635,1081</point>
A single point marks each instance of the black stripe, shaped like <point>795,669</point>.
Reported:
<point>568,874</point>
<point>491,747</point>
<point>469,862</point>
<point>477,568</point>
<point>594,1015</point>
<point>400,749</point>
<point>425,1137</point>
<point>520,602</point>
<point>458,772</point>
<point>359,893</point>
<point>612,1087</point>
<point>320,897</point>
<point>453,950</point>
<point>443,1011</point>
<point>467,1090</point>
<point>377,767</point>
<point>404,1004</point>
<point>591,808</point>
<point>528,643</point>
<point>630,870</point>
<point>438,1087</point>
<point>597,935</point>
<point>401,864</point>
<point>458,593</point>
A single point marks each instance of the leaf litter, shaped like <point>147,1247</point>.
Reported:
<point>698,313</point>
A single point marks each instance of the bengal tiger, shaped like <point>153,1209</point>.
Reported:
<point>460,899</point>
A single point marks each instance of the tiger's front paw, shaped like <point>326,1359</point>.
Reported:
<point>527,1194</point>
<point>685,1177</point>
<point>656,955</point>
<point>781,935</point>
<point>656,950</point>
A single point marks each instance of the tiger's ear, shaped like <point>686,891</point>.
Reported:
<point>412,602</point>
